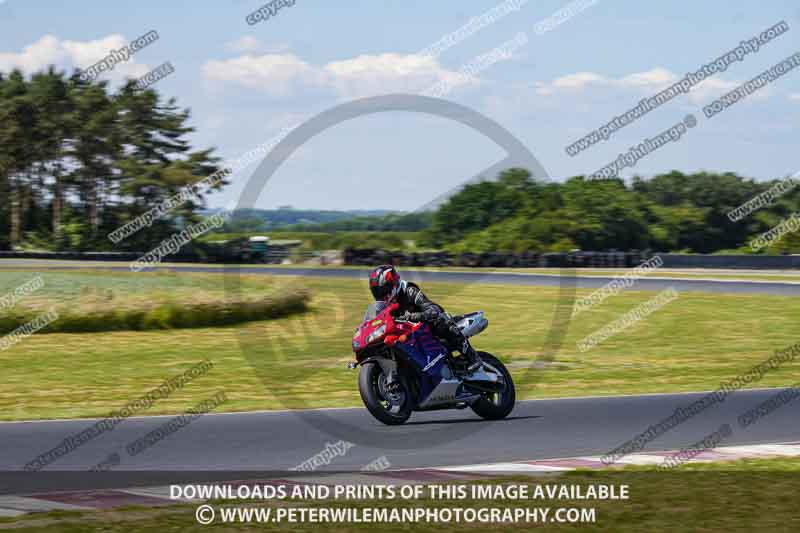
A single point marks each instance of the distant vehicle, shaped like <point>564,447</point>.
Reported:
<point>259,249</point>
<point>259,245</point>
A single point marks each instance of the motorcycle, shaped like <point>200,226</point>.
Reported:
<point>404,368</point>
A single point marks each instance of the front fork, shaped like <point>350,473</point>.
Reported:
<point>388,367</point>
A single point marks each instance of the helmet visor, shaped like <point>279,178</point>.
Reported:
<point>380,292</point>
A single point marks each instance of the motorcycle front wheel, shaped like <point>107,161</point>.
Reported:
<point>389,406</point>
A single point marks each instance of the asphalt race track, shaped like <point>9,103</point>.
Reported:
<point>537,429</point>
<point>279,440</point>
<point>486,278</point>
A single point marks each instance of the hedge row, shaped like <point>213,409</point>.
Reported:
<point>170,315</point>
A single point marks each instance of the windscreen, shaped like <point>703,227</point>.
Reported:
<point>373,309</point>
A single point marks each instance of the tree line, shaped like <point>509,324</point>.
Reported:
<point>671,212</point>
<point>78,160</point>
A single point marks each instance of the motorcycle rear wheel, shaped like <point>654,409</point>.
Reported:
<point>500,404</point>
<point>391,409</point>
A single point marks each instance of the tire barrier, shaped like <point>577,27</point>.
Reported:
<point>370,257</point>
<point>195,254</point>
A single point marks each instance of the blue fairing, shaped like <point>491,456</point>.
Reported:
<point>429,355</point>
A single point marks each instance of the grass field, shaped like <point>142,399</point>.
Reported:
<point>755,495</point>
<point>691,344</point>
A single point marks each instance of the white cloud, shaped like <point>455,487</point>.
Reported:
<point>364,75</point>
<point>571,82</point>
<point>50,50</point>
<point>648,82</point>
<point>275,73</point>
<point>794,96</point>
<point>579,80</point>
<point>87,53</point>
<point>657,77</point>
<point>367,75</point>
<point>714,87</point>
<point>47,50</point>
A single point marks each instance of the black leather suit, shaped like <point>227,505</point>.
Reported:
<point>420,308</point>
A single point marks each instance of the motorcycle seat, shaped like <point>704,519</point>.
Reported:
<point>459,318</point>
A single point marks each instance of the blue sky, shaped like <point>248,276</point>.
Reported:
<point>244,83</point>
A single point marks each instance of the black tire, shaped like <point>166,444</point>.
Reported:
<point>368,385</point>
<point>503,403</point>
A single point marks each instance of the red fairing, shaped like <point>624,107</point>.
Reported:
<point>392,333</point>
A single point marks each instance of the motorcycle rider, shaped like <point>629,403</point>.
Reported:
<point>387,287</point>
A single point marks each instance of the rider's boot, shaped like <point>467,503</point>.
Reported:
<point>475,361</point>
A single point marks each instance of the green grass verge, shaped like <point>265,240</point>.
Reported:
<point>691,344</point>
<point>721,497</point>
<point>104,301</point>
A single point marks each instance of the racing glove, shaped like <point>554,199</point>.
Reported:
<point>424,316</point>
<point>411,317</point>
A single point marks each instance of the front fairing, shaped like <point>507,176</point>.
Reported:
<point>377,323</point>
<point>416,342</point>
